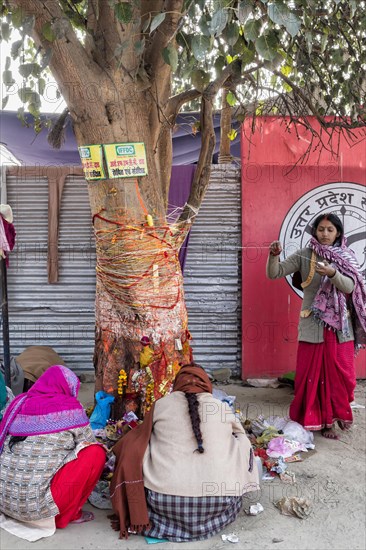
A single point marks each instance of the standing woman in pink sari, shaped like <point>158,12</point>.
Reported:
<point>50,460</point>
<point>332,325</point>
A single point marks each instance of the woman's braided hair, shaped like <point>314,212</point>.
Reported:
<point>195,419</point>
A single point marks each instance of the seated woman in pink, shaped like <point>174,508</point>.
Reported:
<point>50,460</point>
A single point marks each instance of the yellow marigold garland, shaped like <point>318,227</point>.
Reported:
<point>122,381</point>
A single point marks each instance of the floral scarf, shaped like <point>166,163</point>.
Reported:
<point>330,304</point>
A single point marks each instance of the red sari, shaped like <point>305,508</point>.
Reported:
<point>324,384</point>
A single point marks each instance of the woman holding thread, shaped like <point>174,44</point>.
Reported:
<point>332,325</point>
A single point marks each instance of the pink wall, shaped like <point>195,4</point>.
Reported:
<point>277,203</point>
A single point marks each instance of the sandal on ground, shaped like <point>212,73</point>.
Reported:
<point>85,516</point>
<point>329,433</point>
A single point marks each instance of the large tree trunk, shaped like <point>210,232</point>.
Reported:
<point>116,95</point>
<point>141,318</point>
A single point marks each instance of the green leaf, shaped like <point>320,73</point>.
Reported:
<point>7,63</point>
<point>245,54</point>
<point>17,17</point>
<point>231,34</point>
<point>231,99</point>
<point>33,109</point>
<point>259,109</point>
<point>218,22</point>
<point>5,101</point>
<point>187,69</point>
<point>139,46</point>
<point>283,16</point>
<point>274,63</point>
<point>219,64</point>
<point>123,11</point>
<point>200,46</point>
<point>204,26</point>
<point>232,134</point>
<point>157,20</point>
<point>41,86</point>
<point>20,115</point>
<point>252,29</point>
<point>337,57</point>
<point>170,56</point>
<point>8,78</point>
<point>25,94</point>
<point>286,70</point>
<point>323,42</point>
<point>28,69</point>
<point>5,31</point>
<point>200,79</point>
<point>245,9</point>
<point>48,33</point>
<point>218,4</point>
<point>266,45</point>
<point>16,48</point>
<point>146,24</point>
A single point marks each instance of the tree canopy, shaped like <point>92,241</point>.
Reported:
<point>308,56</point>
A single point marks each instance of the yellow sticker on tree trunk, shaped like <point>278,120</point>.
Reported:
<point>92,161</point>
<point>125,160</point>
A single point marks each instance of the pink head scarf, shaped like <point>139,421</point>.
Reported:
<point>50,406</point>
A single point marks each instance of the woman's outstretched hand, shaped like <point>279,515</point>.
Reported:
<point>275,248</point>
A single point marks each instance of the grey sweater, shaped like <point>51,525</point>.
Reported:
<point>309,329</point>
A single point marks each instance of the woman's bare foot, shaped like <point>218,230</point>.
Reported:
<point>343,425</point>
<point>329,433</point>
<point>85,516</point>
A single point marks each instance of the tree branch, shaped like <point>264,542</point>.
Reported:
<point>202,174</point>
<point>163,35</point>
<point>301,94</point>
<point>68,54</point>
<point>177,101</point>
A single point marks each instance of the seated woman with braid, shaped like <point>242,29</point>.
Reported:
<point>182,473</point>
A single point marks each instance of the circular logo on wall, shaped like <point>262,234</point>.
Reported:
<point>346,200</point>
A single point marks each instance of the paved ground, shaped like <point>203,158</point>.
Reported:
<point>332,476</point>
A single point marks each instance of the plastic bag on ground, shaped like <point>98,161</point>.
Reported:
<point>224,397</point>
<point>102,410</point>
<point>292,430</point>
<point>296,432</point>
<point>279,446</point>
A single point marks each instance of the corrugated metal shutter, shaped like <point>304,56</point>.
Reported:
<point>59,315</point>
<point>212,273</point>
<point>62,315</point>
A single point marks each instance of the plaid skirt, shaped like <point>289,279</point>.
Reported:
<point>183,519</point>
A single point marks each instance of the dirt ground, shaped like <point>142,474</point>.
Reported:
<point>332,477</point>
